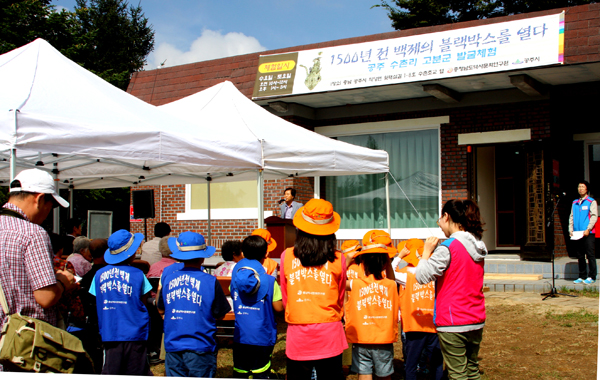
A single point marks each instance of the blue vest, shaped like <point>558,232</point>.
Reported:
<point>122,317</point>
<point>188,296</point>
<point>255,323</point>
<point>581,214</point>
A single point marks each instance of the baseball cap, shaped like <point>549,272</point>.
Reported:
<point>36,181</point>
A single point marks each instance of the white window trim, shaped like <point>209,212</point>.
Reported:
<point>217,213</point>
<point>391,127</point>
<point>588,139</point>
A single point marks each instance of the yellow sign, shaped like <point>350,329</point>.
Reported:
<point>273,67</point>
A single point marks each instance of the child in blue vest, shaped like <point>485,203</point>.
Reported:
<point>121,292</point>
<point>191,301</point>
<point>256,296</point>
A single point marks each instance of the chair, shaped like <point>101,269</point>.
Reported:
<point>225,326</point>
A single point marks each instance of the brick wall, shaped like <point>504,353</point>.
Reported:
<point>172,203</point>
<point>161,86</point>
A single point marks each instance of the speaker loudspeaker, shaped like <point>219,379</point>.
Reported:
<point>143,204</point>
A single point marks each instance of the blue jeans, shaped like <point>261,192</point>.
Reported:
<point>191,364</point>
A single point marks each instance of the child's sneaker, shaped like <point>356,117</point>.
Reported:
<point>578,281</point>
<point>588,281</point>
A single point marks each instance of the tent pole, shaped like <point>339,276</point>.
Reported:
<point>317,188</point>
<point>13,155</point>
<point>71,196</point>
<point>13,164</point>
<point>387,201</point>
<point>56,216</point>
<point>208,208</point>
<point>260,184</point>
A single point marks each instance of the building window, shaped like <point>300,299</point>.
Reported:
<point>414,152</point>
<point>230,200</point>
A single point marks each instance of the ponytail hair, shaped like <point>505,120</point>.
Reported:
<point>466,214</point>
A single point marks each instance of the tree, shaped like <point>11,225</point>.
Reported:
<point>107,37</point>
<point>23,21</point>
<point>407,14</point>
<point>112,39</point>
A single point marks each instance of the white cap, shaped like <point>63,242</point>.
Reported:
<point>37,181</point>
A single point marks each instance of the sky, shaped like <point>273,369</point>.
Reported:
<point>198,30</point>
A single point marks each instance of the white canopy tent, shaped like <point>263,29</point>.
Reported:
<point>56,115</point>
<point>287,149</point>
<point>94,135</point>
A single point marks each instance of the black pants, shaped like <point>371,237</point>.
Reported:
<point>416,342</point>
<point>585,248</point>
<point>329,368</point>
<point>126,358</point>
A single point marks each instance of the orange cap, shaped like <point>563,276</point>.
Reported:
<point>377,241</point>
<point>415,246</point>
<point>317,217</point>
<point>350,246</point>
<point>265,234</point>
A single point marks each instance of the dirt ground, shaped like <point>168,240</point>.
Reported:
<point>523,339</point>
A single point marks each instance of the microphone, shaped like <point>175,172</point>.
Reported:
<point>281,201</point>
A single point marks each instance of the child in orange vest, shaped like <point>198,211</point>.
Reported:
<point>372,309</point>
<point>270,265</point>
<point>351,247</point>
<point>416,308</point>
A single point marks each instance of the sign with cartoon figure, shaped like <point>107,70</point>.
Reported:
<point>513,45</point>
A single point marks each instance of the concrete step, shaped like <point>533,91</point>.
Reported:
<point>515,277</point>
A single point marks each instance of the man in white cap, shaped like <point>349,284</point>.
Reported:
<point>27,276</point>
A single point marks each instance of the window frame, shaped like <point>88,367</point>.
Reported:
<point>392,126</point>
<point>247,213</point>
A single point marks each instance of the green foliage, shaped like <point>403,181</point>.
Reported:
<point>113,39</point>
<point>407,14</point>
<point>581,316</point>
<point>107,37</point>
<point>23,21</point>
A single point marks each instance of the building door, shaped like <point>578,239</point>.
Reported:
<point>510,189</point>
<point>501,195</point>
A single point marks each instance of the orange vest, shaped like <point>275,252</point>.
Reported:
<point>416,304</point>
<point>312,293</point>
<point>355,271</point>
<point>270,265</point>
<point>372,311</point>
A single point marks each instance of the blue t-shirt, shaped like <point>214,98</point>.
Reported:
<point>255,323</point>
<point>192,301</point>
<point>122,317</point>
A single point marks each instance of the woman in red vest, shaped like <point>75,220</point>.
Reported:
<point>313,280</point>
<point>457,267</point>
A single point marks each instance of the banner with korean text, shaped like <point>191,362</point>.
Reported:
<point>512,45</point>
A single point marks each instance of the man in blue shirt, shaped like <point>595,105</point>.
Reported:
<point>584,214</point>
<point>191,301</point>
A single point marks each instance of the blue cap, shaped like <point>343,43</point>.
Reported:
<point>190,245</point>
<point>249,281</point>
<point>121,246</point>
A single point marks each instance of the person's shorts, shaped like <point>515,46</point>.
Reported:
<point>368,359</point>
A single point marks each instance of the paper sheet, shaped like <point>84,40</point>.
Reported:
<point>577,235</point>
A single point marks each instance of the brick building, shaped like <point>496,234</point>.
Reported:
<point>511,138</point>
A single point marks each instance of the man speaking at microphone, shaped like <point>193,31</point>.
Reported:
<point>287,205</point>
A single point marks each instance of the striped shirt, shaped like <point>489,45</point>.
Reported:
<point>25,266</point>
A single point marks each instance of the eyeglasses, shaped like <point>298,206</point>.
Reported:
<point>438,221</point>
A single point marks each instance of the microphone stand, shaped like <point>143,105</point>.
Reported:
<point>553,292</point>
